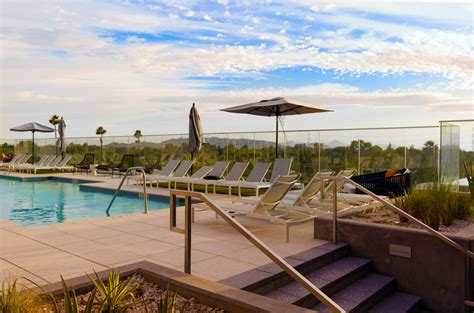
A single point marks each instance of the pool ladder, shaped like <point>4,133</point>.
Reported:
<point>145,197</point>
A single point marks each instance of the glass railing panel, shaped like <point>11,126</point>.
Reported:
<point>422,151</point>
<point>381,150</point>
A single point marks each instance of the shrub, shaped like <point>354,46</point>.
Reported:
<point>435,204</point>
<point>18,298</point>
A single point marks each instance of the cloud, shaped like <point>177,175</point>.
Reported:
<point>112,57</point>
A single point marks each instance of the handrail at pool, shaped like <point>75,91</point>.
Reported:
<point>290,270</point>
<point>145,198</point>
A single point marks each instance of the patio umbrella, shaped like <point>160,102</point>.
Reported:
<point>33,127</point>
<point>196,136</point>
<point>276,107</point>
<point>61,142</point>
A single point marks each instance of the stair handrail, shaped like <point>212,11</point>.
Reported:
<point>290,270</point>
<point>145,197</point>
<point>397,210</point>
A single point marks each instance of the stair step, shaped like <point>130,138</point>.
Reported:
<point>270,276</point>
<point>362,294</point>
<point>398,302</point>
<point>329,278</point>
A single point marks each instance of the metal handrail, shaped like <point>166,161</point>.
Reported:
<point>145,197</point>
<point>397,210</point>
<point>290,270</point>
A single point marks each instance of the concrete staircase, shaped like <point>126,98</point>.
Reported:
<point>348,280</point>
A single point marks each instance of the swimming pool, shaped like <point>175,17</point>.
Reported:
<point>34,203</point>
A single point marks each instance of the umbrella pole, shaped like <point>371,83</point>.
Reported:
<point>33,148</point>
<point>276,145</point>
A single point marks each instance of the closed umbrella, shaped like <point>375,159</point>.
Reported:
<point>276,107</point>
<point>62,140</point>
<point>196,135</point>
<point>33,127</point>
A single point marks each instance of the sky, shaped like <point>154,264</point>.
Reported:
<point>128,65</point>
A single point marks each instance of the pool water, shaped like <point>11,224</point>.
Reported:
<point>37,203</point>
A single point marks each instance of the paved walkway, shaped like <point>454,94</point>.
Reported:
<point>73,248</point>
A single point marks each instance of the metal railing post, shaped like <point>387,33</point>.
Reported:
<point>145,196</point>
<point>187,234</point>
<point>334,222</point>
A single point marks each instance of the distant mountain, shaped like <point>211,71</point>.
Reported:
<point>237,142</point>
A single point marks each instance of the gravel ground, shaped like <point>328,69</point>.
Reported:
<point>148,295</point>
<point>384,216</point>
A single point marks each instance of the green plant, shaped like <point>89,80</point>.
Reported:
<point>167,303</point>
<point>435,204</point>
<point>114,294</point>
<point>70,301</point>
<point>17,298</point>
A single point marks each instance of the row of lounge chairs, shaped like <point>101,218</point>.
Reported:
<point>46,162</point>
<point>280,205</point>
<point>176,171</point>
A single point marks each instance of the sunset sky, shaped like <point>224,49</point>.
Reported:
<point>128,65</point>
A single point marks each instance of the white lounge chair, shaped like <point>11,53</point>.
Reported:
<point>200,173</point>
<point>57,164</point>
<point>234,175</point>
<point>42,161</point>
<point>282,167</point>
<point>180,172</point>
<point>256,176</point>
<point>217,171</point>
<point>167,170</point>
<point>267,206</point>
<point>14,160</point>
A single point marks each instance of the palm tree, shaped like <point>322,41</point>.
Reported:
<point>100,131</point>
<point>138,135</point>
<point>54,120</point>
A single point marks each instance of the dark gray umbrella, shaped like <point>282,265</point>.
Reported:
<point>33,127</point>
<point>276,107</point>
<point>61,143</point>
<point>196,135</point>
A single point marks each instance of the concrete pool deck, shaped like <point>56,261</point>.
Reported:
<point>73,248</point>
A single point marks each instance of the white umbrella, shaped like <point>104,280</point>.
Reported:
<point>33,127</point>
<point>196,135</point>
<point>276,107</point>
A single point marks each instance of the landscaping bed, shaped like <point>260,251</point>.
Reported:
<point>138,287</point>
<point>388,217</point>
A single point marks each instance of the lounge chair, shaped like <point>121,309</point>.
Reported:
<point>324,200</point>
<point>282,168</point>
<point>234,175</point>
<point>57,164</point>
<point>200,173</point>
<point>20,161</point>
<point>167,170</point>
<point>314,187</point>
<point>14,160</point>
<point>107,167</point>
<point>128,160</point>
<point>216,173</point>
<point>85,164</point>
<point>44,160</point>
<point>267,206</point>
<point>180,172</point>
<point>47,164</point>
<point>256,176</point>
